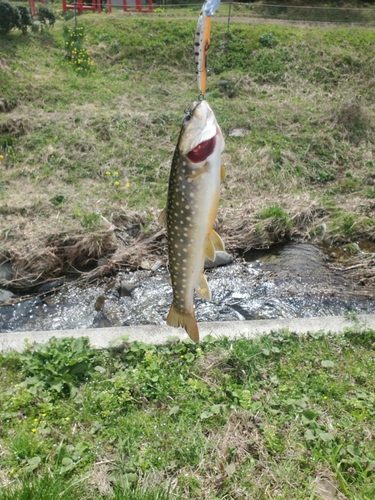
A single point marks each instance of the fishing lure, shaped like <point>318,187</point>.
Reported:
<point>202,42</point>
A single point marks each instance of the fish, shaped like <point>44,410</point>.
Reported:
<point>192,203</point>
<point>202,42</point>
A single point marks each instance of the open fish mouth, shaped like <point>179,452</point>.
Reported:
<point>200,129</point>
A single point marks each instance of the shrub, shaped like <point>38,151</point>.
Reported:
<point>46,16</point>
<point>268,39</point>
<point>9,17</point>
<point>25,18</point>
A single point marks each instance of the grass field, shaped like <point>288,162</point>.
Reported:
<point>87,157</point>
<point>282,417</point>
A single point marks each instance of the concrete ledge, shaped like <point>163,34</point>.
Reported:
<point>158,334</point>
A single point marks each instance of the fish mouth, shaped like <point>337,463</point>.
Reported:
<point>198,140</point>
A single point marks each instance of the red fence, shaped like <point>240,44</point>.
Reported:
<point>97,6</point>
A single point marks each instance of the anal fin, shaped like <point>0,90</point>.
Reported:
<point>203,290</point>
<point>209,249</point>
<point>176,318</point>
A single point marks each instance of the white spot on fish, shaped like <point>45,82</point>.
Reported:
<point>187,207</point>
<point>191,195</point>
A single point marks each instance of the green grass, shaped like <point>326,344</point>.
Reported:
<point>224,419</point>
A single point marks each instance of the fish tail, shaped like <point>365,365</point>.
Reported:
<point>186,320</point>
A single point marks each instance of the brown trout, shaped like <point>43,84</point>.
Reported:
<point>193,198</point>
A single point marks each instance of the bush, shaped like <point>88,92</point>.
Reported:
<point>46,16</point>
<point>25,18</point>
<point>10,17</point>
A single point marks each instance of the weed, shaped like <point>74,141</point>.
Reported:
<point>76,53</point>
<point>60,365</point>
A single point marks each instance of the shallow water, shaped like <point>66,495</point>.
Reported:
<point>291,281</point>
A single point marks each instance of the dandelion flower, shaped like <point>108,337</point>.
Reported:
<point>33,430</point>
<point>127,185</point>
<point>35,420</point>
<point>108,172</point>
<point>117,183</point>
<point>115,173</point>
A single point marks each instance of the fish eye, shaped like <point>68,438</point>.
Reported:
<point>187,118</point>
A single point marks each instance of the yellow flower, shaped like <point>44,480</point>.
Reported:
<point>67,418</point>
<point>33,430</point>
<point>117,183</point>
<point>115,173</point>
<point>11,472</point>
<point>35,420</point>
<point>44,414</point>
<point>108,172</point>
<point>1,157</point>
<point>127,185</point>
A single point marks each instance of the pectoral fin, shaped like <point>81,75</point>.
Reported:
<point>187,321</point>
<point>222,172</point>
<point>162,219</point>
<point>217,242</point>
<point>203,288</point>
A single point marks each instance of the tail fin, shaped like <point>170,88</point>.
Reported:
<point>187,321</point>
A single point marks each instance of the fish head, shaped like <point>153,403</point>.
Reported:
<point>200,132</point>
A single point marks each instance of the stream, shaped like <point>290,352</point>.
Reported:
<point>291,281</point>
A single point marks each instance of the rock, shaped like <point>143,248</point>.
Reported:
<point>99,303</point>
<point>238,132</point>
<point>221,259</point>
<point>50,286</point>
<point>5,295</point>
<point>6,271</point>
<point>145,265</point>
<point>126,289</point>
<point>156,266</point>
